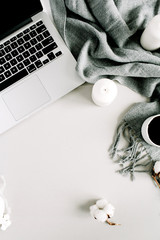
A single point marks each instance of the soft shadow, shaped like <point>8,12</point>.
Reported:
<point>87,91</point>
<point>85,207</point>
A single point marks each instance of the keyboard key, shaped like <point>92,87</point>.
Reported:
<point>2,60</point>
<point>46,34</point>
<point>26,62</point>
<point>14,53</point>
<point>14,45</point>
<point>8,57</point>
<point>7,66</point>
<point>14,70</point>
<point>2,69</point>
<point>47,41</point>
<point>26,54</point>
<point>49,48</point>
<point>7,49</point>
<point>33,58</point>
<point>2,53</point>
<point>20,41</point>
<point>2,77</point>
<point>33,27</point>
<point>58,54</point>
<point>39,23</point>
<point>1,46</point>
<point>39,54</point>
<point>51,56</point>
<point>26,31</point>
<point>38,64</point>
<point>27,37</point>
<point>45,61</point>
<point>32,50</point>
<point>27,45</point>
<point>7,74</point>
<point>20,66</point>
<point>19,35</point>
<point>13,39</point>
<point>13,62</point>
<point>40,37</point>
<point>21,49</point>
<point>20,58</point>
<point>39,46</point>
<point>33,41</point>
<point>13,79</point>
<point>41,29</point>
<point>33,33</point>
<point>31,68</point>
<point>6,43</point>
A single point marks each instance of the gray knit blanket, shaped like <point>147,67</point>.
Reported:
<point>104,37</point>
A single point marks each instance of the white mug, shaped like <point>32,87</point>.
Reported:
<point>151,130</point>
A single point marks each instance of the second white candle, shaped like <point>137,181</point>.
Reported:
<point>104,92</point>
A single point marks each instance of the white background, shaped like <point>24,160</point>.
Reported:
<point>56,165</point>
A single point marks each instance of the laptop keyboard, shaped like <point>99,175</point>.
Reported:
<point>26,52</point>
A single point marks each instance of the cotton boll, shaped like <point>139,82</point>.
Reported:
<point>5,222</point>
<point>2,184</point>
<point>100,215</point>
<point>4,227</point>
<point>101,203</point>
<point>157,167</point>
<point>102,211</point>
<point>2,207</point>
<point>109,210</point>
<point>93,208</point>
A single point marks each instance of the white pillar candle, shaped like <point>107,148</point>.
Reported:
<point>150,38</point>
<point>104,92</point>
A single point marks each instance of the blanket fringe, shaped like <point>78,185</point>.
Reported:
<point>133,157</point>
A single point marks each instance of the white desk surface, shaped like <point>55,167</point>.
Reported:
<point>56,164</point>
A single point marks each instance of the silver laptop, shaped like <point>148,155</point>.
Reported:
<point>36,67</point>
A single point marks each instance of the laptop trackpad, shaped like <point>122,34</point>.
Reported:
<point>26,97</point>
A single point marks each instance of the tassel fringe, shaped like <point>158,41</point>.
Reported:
<point>133,156</point>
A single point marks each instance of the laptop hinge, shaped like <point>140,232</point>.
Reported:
<point>15,28</point>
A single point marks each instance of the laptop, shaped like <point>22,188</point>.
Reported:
<point>36,67</point>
